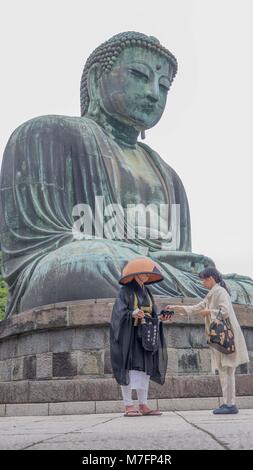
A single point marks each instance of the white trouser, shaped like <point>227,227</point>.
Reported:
<point>142,395</point>
<point>227,380</point>
<point>139,381</point>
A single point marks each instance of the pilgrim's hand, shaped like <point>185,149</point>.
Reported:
<point>166,314</point>
<point>175,308</point>
<point>165,317</point>
<point>138,314</point>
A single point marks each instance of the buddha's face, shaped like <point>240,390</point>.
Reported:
<point>135,90</point>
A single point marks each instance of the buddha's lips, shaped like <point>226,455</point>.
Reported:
<point>148,108</point>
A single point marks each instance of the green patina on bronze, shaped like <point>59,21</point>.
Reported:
<point>52,163</point>
<point>109,55</point>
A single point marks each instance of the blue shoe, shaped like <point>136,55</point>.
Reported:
<point>218,410</point>
<point>232,409</point>
<point>226,410</point>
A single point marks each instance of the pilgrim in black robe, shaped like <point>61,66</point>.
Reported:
<point>127,352</point>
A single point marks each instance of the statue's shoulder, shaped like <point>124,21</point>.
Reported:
<point>53,126</point>
<point>167,169</point>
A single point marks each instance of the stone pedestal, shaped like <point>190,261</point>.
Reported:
<point>60,353</point>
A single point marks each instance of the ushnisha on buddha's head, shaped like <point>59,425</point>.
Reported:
<point>126,79</point>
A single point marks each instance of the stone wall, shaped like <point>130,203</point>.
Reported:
<point>68,343</point>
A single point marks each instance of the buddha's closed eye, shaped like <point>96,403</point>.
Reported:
<point>164,83</point>
<point>139,74</point>
<point>165,88</point>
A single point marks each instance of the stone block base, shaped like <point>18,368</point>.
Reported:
<point>106,389</point>
<point>56,358</point>
<point>116,406</point>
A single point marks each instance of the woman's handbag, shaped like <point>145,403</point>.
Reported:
<point>221,336</point>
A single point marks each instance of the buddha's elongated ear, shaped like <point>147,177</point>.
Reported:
<point>94,75</point>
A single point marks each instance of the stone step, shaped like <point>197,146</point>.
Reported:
<point>106,389</point>
<point>115,406</point>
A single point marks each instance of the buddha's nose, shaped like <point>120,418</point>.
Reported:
<point>153,92</point>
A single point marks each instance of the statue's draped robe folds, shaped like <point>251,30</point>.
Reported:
<point>50,165</point>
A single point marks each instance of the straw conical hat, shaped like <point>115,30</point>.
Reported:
<point>141,266</point>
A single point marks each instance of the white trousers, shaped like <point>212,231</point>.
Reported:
<point>227,380</point>
<point>138,381</point>
<point>142,395</point>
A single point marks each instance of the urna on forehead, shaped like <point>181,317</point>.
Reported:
<point>149,57</point>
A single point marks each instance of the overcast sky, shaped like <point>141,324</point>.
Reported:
<point>205,133</point>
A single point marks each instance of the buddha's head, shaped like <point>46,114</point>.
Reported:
<point>128,78</point>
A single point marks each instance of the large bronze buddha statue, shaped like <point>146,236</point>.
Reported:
<point>55,166</point>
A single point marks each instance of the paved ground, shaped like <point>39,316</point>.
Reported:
<point>172,430</point>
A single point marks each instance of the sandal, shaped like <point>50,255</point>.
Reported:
<point>132,413</point>
<point>151,413</point>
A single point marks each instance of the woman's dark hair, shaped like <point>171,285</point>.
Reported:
<point>215,274</point>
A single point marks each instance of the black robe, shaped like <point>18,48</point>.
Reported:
<point>127,352</point>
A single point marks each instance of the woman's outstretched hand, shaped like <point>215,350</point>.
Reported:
<point>204,312</point>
